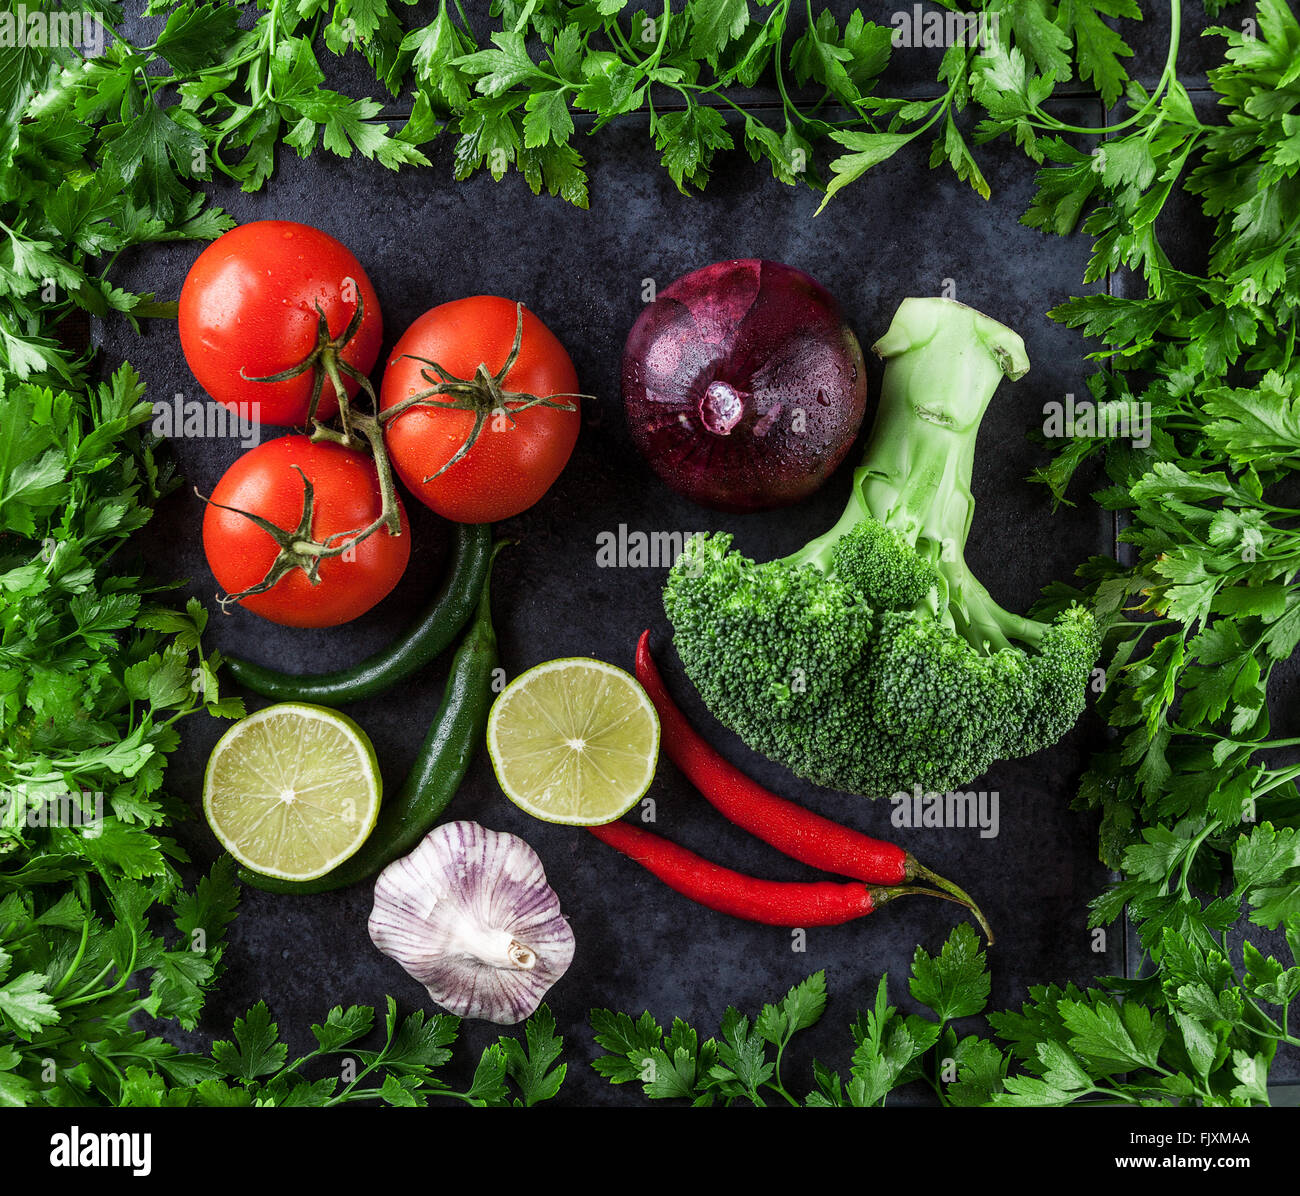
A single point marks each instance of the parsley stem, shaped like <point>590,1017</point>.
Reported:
<point>83,892</point>
<point>80,997</point>
<point>1168,76</point>
<point>296,1065</point>
<point>616,35</point>
<point>113,1067</point>
<point>361,1075</point>
<point>779,66</point>
<point>775,1082</point>
<point>271,29</point>
<point>647,64</point>
<point>1190,853</point>
<point>1254,745</point>
<point>1276,779</point>
<point>702,90</point>
<point>663,38</point>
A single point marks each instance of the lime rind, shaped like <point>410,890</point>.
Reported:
<point>538,719</point>
<point>292,790</point>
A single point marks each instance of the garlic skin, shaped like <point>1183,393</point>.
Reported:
<point>470,916</point>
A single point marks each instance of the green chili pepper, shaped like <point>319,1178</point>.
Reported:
<point>421,643</point>
<point>458,728</point>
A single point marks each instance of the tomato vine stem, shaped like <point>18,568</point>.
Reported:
<point>359,430</point>
<point>484,394</point>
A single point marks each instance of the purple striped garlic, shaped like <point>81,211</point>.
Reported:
<point>470,916</point>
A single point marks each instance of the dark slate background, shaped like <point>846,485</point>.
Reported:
<point>424,239</point>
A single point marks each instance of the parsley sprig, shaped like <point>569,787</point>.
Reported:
<point>253,1067</point>
<point>1111,1044</point>
<point>1208,607</point>
<point>745,1065</point>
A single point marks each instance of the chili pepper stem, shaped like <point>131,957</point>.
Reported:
<point>915,869</point>
<point>484,608</point>
<point>881,895</point>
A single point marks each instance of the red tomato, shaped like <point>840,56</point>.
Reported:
<point>346,497</point>
<point>249,302</point>
<point>511,465</point>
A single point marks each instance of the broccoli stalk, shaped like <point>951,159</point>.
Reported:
<point>873,659</point>
<point>945,363</point>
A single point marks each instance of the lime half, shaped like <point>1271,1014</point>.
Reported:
<point>574,741</point>
<point>292,790</point>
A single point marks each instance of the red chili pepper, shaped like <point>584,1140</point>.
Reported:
<point>772,902</point>
<point>783,824</point>
<point>787,826</point>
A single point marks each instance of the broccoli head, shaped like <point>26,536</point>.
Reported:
<point>872,660</point>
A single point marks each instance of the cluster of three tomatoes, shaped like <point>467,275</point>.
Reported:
<point>259,302</point>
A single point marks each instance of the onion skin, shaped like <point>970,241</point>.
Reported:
<point>743,385</point>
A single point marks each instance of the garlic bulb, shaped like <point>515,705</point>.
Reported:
<point>470,916</point>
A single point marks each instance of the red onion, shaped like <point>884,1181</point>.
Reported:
<point>743,385</point>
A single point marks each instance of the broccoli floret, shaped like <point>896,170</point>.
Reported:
<point>877,561</point>
<point>872,660</point>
